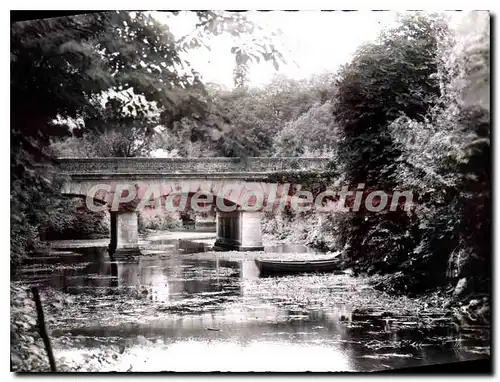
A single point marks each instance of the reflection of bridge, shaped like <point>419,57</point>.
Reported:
<point>226,179</point>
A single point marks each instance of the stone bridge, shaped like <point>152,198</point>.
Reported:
<point>230,181</point>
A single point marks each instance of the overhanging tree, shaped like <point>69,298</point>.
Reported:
<point>394,75</point>
<point>62,67</point>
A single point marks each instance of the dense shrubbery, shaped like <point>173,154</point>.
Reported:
<point>74,221</point>
<point>163,222</point>
<point>308,228</point>
<point>409,112</point>
<point>288,227</point>
<point>63,219</point>
<point>385,79</point>
<point>409,121</point>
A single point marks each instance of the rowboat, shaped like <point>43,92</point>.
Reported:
<point>277,267</point>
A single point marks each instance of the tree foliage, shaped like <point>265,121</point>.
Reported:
<point>257,117</point>
<point>66,68</point>
<point>385,79</point>
<point>447,157</point>
<point>250,43</point>
<point>314,133</point>
<point>410,121</point>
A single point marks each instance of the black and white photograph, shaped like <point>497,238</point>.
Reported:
<point>250,191</point>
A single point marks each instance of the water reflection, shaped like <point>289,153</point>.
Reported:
<point>259,356</point>
<point>248,270</point>
<point>207,310</point>
<point>289,248</point>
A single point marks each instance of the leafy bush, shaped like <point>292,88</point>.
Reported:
<point>74,221</point>
<point>164,222</point>
<point>447,159</point>
<point>409,120</point>
<point>292,227</point>
<point>384,80</point>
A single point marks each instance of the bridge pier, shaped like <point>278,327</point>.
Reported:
<point>124,233</point>
<point>239,230</point>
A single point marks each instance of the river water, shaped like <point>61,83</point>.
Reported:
<point>181,308</point>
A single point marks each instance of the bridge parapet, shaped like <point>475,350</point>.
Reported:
<point>204,166</point>
<point>234,176</point>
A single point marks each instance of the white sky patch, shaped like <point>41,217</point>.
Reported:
<point>162,153</point>
<point>314,42</point>
<point>72,123</point>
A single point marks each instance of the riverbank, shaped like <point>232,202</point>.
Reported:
<point>27,350</point>
<point>458,295</point>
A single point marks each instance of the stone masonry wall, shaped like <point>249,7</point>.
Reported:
<point>82,166</point>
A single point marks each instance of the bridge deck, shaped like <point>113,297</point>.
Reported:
<point>200,167</point>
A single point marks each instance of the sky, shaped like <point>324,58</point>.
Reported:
<point>314,42</point>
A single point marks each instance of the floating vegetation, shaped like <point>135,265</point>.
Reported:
<point>208,294</point>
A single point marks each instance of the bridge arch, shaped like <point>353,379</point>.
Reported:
<point>232,179</point>
<point>235,228</point>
